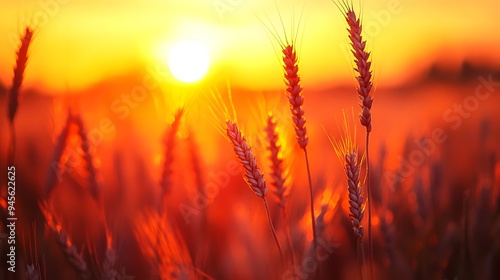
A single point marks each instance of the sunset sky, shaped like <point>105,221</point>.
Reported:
<point>79,43</point>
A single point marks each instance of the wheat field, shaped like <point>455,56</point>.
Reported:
<point>132,177</point>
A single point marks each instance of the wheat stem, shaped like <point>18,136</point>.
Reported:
<point>170,143</point>
<point>253,176</point>
<point>288,236</point>
<point>296,100</point>
<point>364,79</point>
<point>311,197</point>
<point>17,80</point>
<point>54,170</point>
<point>13,95</point>
<point>88,158</point>
<point>278,176</point>
<point>368,188</point>
<point>74,258</point>
<point>274,233</point>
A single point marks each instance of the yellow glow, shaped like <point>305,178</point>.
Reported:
<point>79,44</point>
<point>188,61</point>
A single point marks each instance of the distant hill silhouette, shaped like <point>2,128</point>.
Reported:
<point>438,71</point>
<point>467,72</point>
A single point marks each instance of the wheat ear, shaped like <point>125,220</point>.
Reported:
<point>162,244</point>
<point>61,142</point>
<point>363,65</point>
<point>13,94</point>
<point>277,176</point>
<point>347,152</point>
<point>87,156</point>
<point>354,190</point>
<point>253,176</point>
<point>364,79</point>
<point>17,81</point>
<point>296,100</point>
<point>170,143</point>
<point>355,203</point>
<point>74,258</point>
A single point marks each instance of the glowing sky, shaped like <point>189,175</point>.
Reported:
<point>80,42</point>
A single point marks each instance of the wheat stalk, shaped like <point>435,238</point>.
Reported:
<point>17,80</point>
<point>321,225</point>
<point>87,156</point>
<point>354,193</point>
<point>363,65</point>
<point>13,95</point>
<point>276,162</point>
<point>196,160</point>
<point>364,79</point>
<point>201,225</point>
<point>160,243</point>
<point>277,176</point>
<point>74,258</point>
<point>85,145</point>
<point>61,142</point>
<point>170,143</point>
<point>349,156</point>
<point>347,152</point>
<point>294,93</point>
<point>296,100</point>
<point>252,175</point>
<point>355,202</point>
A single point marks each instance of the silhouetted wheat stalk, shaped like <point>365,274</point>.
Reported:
<point>74,258</point>
<point>170,143</point>
<point>73,120</point>
<point>196,160</point>
<point>278,177</point>
<point>252,174</point>
<point>17,81</point>
<point>364,79</point>
<point>12,106</point>
<point>87,156</point>
<point>75,124</point>
<point>196,163</point>
<point>161,244</point>
<point>57,152</point>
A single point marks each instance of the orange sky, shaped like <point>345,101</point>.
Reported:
<point>81,42</point>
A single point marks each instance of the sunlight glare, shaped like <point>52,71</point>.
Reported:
<point>188,61</point>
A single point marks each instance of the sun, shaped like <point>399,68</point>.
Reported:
<point>188,61</point>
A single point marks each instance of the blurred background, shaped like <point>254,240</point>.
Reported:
<point>80,43</point>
